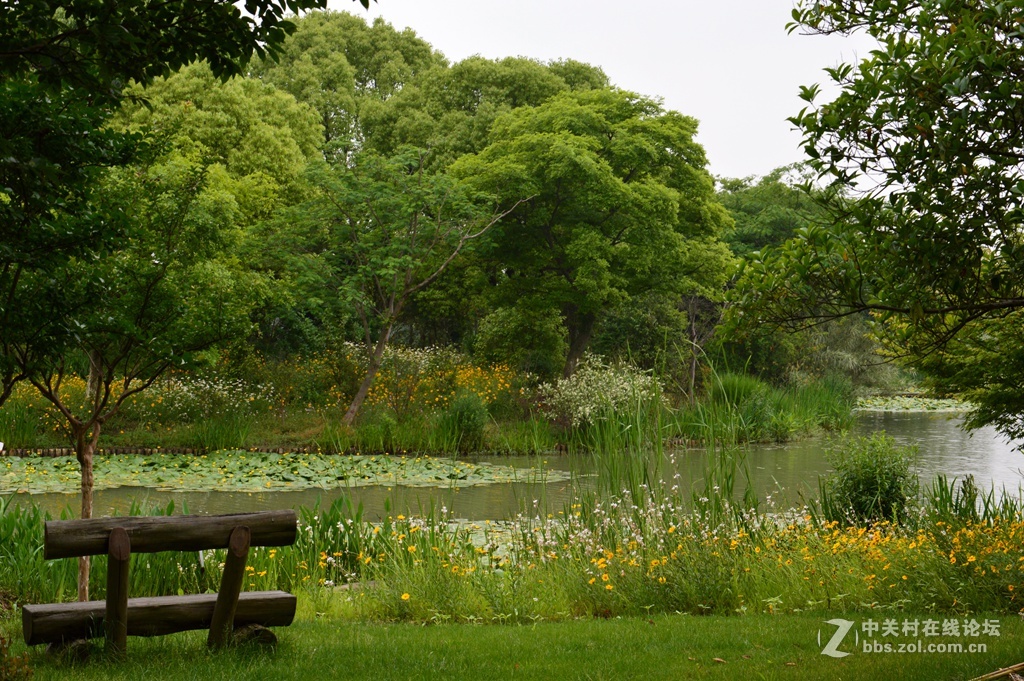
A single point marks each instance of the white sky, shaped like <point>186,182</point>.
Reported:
<point>728,63</point>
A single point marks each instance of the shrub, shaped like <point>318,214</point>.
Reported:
<point>598,388</point>
<point>872,480</point>
<point>464,421</point>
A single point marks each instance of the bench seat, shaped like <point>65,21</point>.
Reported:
<point>64,622</point>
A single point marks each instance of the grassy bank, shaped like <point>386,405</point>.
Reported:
<point>604,555</point>
<point>568,590</point>
<point>657,647</point>
<point>436,401</point>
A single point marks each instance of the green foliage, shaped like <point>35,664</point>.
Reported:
<point>531,340</point>
<point>640,330</point>
<point>388,229</point>
<point>55,147</point>
<point>451,110</point>
<point>871,481</point>
<point>983,366</point>
<point>62,73</point>
<point>259,135</point>
<point>929,241</point>
<point>101,48</point>
<point>768,210</point>
<point>340,66</point>
<point>464,422</point>
<point>621,205</point>
<point>163,295</point>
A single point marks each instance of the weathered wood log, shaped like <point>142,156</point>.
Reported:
<point>57,622</point>
<point>116,615</point>
<point>230,586</point>
<point>70,538</point>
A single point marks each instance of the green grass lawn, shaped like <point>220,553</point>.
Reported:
<point>662,647</point>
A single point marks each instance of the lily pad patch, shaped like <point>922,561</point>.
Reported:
<point>908,403</point>
<point>229,471</point>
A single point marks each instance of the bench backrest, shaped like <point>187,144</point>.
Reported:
<point>150,534</point>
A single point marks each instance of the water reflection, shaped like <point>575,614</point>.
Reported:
<point>943,447</point>
<point>787,472</point>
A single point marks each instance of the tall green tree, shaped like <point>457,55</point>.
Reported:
<point>377,89</point>
<point>623,206</point>
<point>339,65</point>
<point>388,229</point>
<point>63,70</point>
<point>450,110</point>
<point>161,294</point>
<point>768,210</point>
<point>54,147</point>
<point>923,140</point>
<point>261,137</point>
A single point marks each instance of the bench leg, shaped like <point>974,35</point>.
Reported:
<point>230,585</point>
<point>116,619</point>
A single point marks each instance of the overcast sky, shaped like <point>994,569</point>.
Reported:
<point>728,63</point>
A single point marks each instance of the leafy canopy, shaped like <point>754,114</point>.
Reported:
<point>100,46</point>
<point>622,206</point>
<point>923,153</point>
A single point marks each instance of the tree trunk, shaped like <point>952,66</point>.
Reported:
<point>85,446</point>
<point>371,373</point>
<point>581,328</point>
<point>93,381</point>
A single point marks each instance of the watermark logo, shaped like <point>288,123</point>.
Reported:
<point>910,636</point>
<point>842,629</point>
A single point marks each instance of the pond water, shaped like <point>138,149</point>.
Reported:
<point>784,471</point>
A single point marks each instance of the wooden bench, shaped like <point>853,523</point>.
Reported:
<point>119,616</point>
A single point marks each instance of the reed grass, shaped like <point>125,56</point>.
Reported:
<point>743,409</point>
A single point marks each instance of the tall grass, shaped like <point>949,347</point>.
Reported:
<point>18,424</point>
<point>946,501</point>
<point>625,548</point>
<point>222,431</point>
<point>741,408</point>
<point>532,435</point>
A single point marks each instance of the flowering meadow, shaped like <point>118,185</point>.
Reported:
<point>633,553</point>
